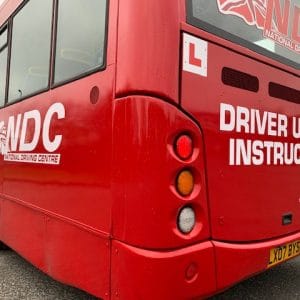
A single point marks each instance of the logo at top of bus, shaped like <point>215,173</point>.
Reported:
<point>20,135</point>
<point>271,16</point>
<point>252,11</point>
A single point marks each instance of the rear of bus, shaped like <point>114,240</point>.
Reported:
<point>224,146</point>
<point>245,96</point>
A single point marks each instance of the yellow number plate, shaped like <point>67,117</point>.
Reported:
<point>283,253</point>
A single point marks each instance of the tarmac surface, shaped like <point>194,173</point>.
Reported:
<point>21,281</point>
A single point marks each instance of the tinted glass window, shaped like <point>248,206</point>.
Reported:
<point>80,37</point>
<point>30,53</point>
<point>268,27</point>
<point>3,38</point>
<point>3,64</point>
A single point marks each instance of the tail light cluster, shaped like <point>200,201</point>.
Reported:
<point>185,183</point>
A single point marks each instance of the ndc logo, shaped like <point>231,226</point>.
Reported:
<point>20,135</point>
<point>279,19</point>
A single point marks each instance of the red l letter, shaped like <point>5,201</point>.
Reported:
<point>193,60</point>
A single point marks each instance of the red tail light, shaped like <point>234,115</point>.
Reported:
<point>184,147</point>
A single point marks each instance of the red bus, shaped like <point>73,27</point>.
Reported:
<point>150,149</point>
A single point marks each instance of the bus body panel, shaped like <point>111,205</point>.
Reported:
<point>67,251</point>
<point>83,174</point>
<point>53,215</point>
<point>58,216</point>
<point>236,262</point>
<point>248,200</point>
<point>146,166</point>
<point>146,37</point>
<point>180,274</point>
<point>165,275</point>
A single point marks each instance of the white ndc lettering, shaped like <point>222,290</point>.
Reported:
<point>12,135</point>
<point>36,117</point>
<point>23,132</point>
<point>59,109</point>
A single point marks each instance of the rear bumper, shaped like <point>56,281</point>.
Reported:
<point>235,262</point>
<point>190,273</point>
<point>144,274</point>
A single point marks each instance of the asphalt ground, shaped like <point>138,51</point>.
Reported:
<point>19,281</point>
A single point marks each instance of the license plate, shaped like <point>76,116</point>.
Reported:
<point>283,253</point>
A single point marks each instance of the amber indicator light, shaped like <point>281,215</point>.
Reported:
<point>185,183</point>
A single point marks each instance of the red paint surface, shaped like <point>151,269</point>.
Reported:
<point>105,219</point>
<point>162,275</point>
<point>148,35</point>
<point>236,262</point>
<point>141,217</point>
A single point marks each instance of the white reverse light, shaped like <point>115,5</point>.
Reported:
<point>186,220</point>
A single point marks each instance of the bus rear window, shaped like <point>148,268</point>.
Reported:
<point>269,27</point>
